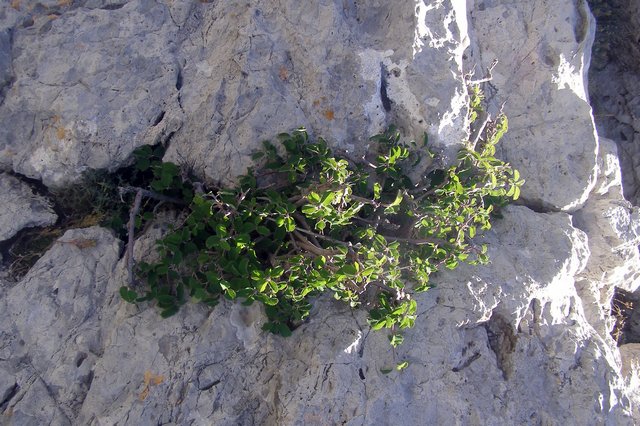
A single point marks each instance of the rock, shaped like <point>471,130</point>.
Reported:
<point>518,318</point>
<point>612,226</point>
<point>361,69</point>
<point>630,355</point>
<point>523,340</point>
<point>541,82</point>
<point>48,333</point>
<point>613,82</point>
<point>8,386</point>
<point>90,87</point>
<point>215,99</point>
<point>5,60</point>
<point>21,207</point>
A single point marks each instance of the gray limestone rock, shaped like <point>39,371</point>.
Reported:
<point>345,71</point>
<point>613,82</point>
<point>543,53</point>
<point>90,86</point>
<point>52,334</point>
<point>21,208</point>
<point>5,60</point>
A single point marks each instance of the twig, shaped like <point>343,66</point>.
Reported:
<point>477,132</point>
<point>421,241</point>
<point>131,225</point>
<point>489,76</point>
<point>131,230</point>
<point>324,237</point>
<point>303,222</point>
<point>150,194</point>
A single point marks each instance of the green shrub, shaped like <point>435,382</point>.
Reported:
<point>310,221</point>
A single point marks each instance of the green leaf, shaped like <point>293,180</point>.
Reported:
<point>391,208</point>
<point>243,266</point>
<point>516,192</point>
<point>170,311</point>
<point>377,189</point>
<point>328,199</point>
<point>396,340</point>
<point>128,295</point>
<point>378,325</point>
<point>143,164</point>
<point>349,270</point>
<point>289,224</point>
<point>212,242</point>
<point>402,365</point>
<point>314,197</point>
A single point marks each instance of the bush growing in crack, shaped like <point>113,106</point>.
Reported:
<point>310,221</point>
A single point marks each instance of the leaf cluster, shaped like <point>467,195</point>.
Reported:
<point>310,221</point>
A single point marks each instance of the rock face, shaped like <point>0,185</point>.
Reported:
<point>540,79</point>
<point>524,340</point>
<point>21,207</point>
<point>85,99</point>
<point>616,101</point>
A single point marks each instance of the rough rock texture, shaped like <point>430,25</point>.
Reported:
<point>87,85</point>
<point>21,208</point>
<point>543,53</point>
<point>524,340</point>
<point>49,345</point>
<point>86,98</point>
<point>613,82</point>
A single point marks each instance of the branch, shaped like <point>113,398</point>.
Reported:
<point>323,237</point>
<point>150,194</point>
<point>479,128</point>
<point>488,77</point>
<point>131,230</point>
<point>303,222</point>
<point>131,225</point>
<point>420,241</point>
<point>305,244</point>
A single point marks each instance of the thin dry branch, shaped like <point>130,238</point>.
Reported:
<point>131,231</point>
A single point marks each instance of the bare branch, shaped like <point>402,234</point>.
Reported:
<point>421,241</point>
<point>131,230</point>
<point>150,194</point>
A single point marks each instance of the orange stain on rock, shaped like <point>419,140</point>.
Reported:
<point>283,73</point>
<point>149,379</point>
<point>328,114</point>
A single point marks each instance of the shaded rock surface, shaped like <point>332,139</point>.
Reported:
<point>21,208</point>
<point>613,82</point>
<point>524,340</point>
